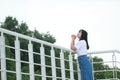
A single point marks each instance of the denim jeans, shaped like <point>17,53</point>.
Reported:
<point>85,68</point>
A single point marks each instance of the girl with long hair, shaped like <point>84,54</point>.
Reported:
<point>81,48</point>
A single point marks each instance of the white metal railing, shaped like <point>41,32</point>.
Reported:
<point>112,59</point>
<point>56,70</point>
<point>45,72</point>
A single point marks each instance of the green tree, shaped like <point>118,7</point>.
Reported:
<point>108,74</point>
<point>118,72</point>
<point>24,29</point>
<point>12,24</point>
<point>101,66</point>
<point>98,66</point>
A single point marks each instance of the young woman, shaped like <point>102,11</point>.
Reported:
<point>81,48</point>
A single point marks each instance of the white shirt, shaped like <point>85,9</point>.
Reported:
<point>81,48</point>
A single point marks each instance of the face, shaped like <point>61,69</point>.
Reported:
<point>79,34</point>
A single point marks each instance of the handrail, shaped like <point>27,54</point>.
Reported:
<point>102,52</point>
<point>32,39</point>
<point>49,44</point>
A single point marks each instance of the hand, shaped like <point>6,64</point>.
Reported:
<point>73,37</point>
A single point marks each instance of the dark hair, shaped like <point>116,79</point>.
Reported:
<point>84,36</point>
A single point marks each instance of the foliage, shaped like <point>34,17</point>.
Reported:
<point>100,66</point>
<point>12,24</point>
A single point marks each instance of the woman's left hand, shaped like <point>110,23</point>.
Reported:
<point>73,37</point>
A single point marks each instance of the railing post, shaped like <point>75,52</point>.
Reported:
<point>115,65</point>
<point>43,62</point>
<point>71,66</point>
<point>53,64</point>
<point>31,60</point>
<point>92,66</point>
<point>79,74</point>
<point>17,56</point>
<point>3,56</point>
<point>62,65</point>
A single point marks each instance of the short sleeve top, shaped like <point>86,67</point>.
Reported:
<point>81,48</point>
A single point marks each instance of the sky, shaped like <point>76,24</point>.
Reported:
<point>100,18</point>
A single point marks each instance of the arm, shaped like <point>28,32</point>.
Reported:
<point>72,45</point>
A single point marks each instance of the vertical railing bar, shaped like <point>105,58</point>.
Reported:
<point>53,63</point>
<point>43,62</point>
<point>92,66</point>
<point>3,56</point>
<point>71,66</point>
<point>79,74</point>
<point>62,65</point>
<point>113,66</point>
<point>17,56</point>
<point>31,60</point>
<point>2,34</point>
